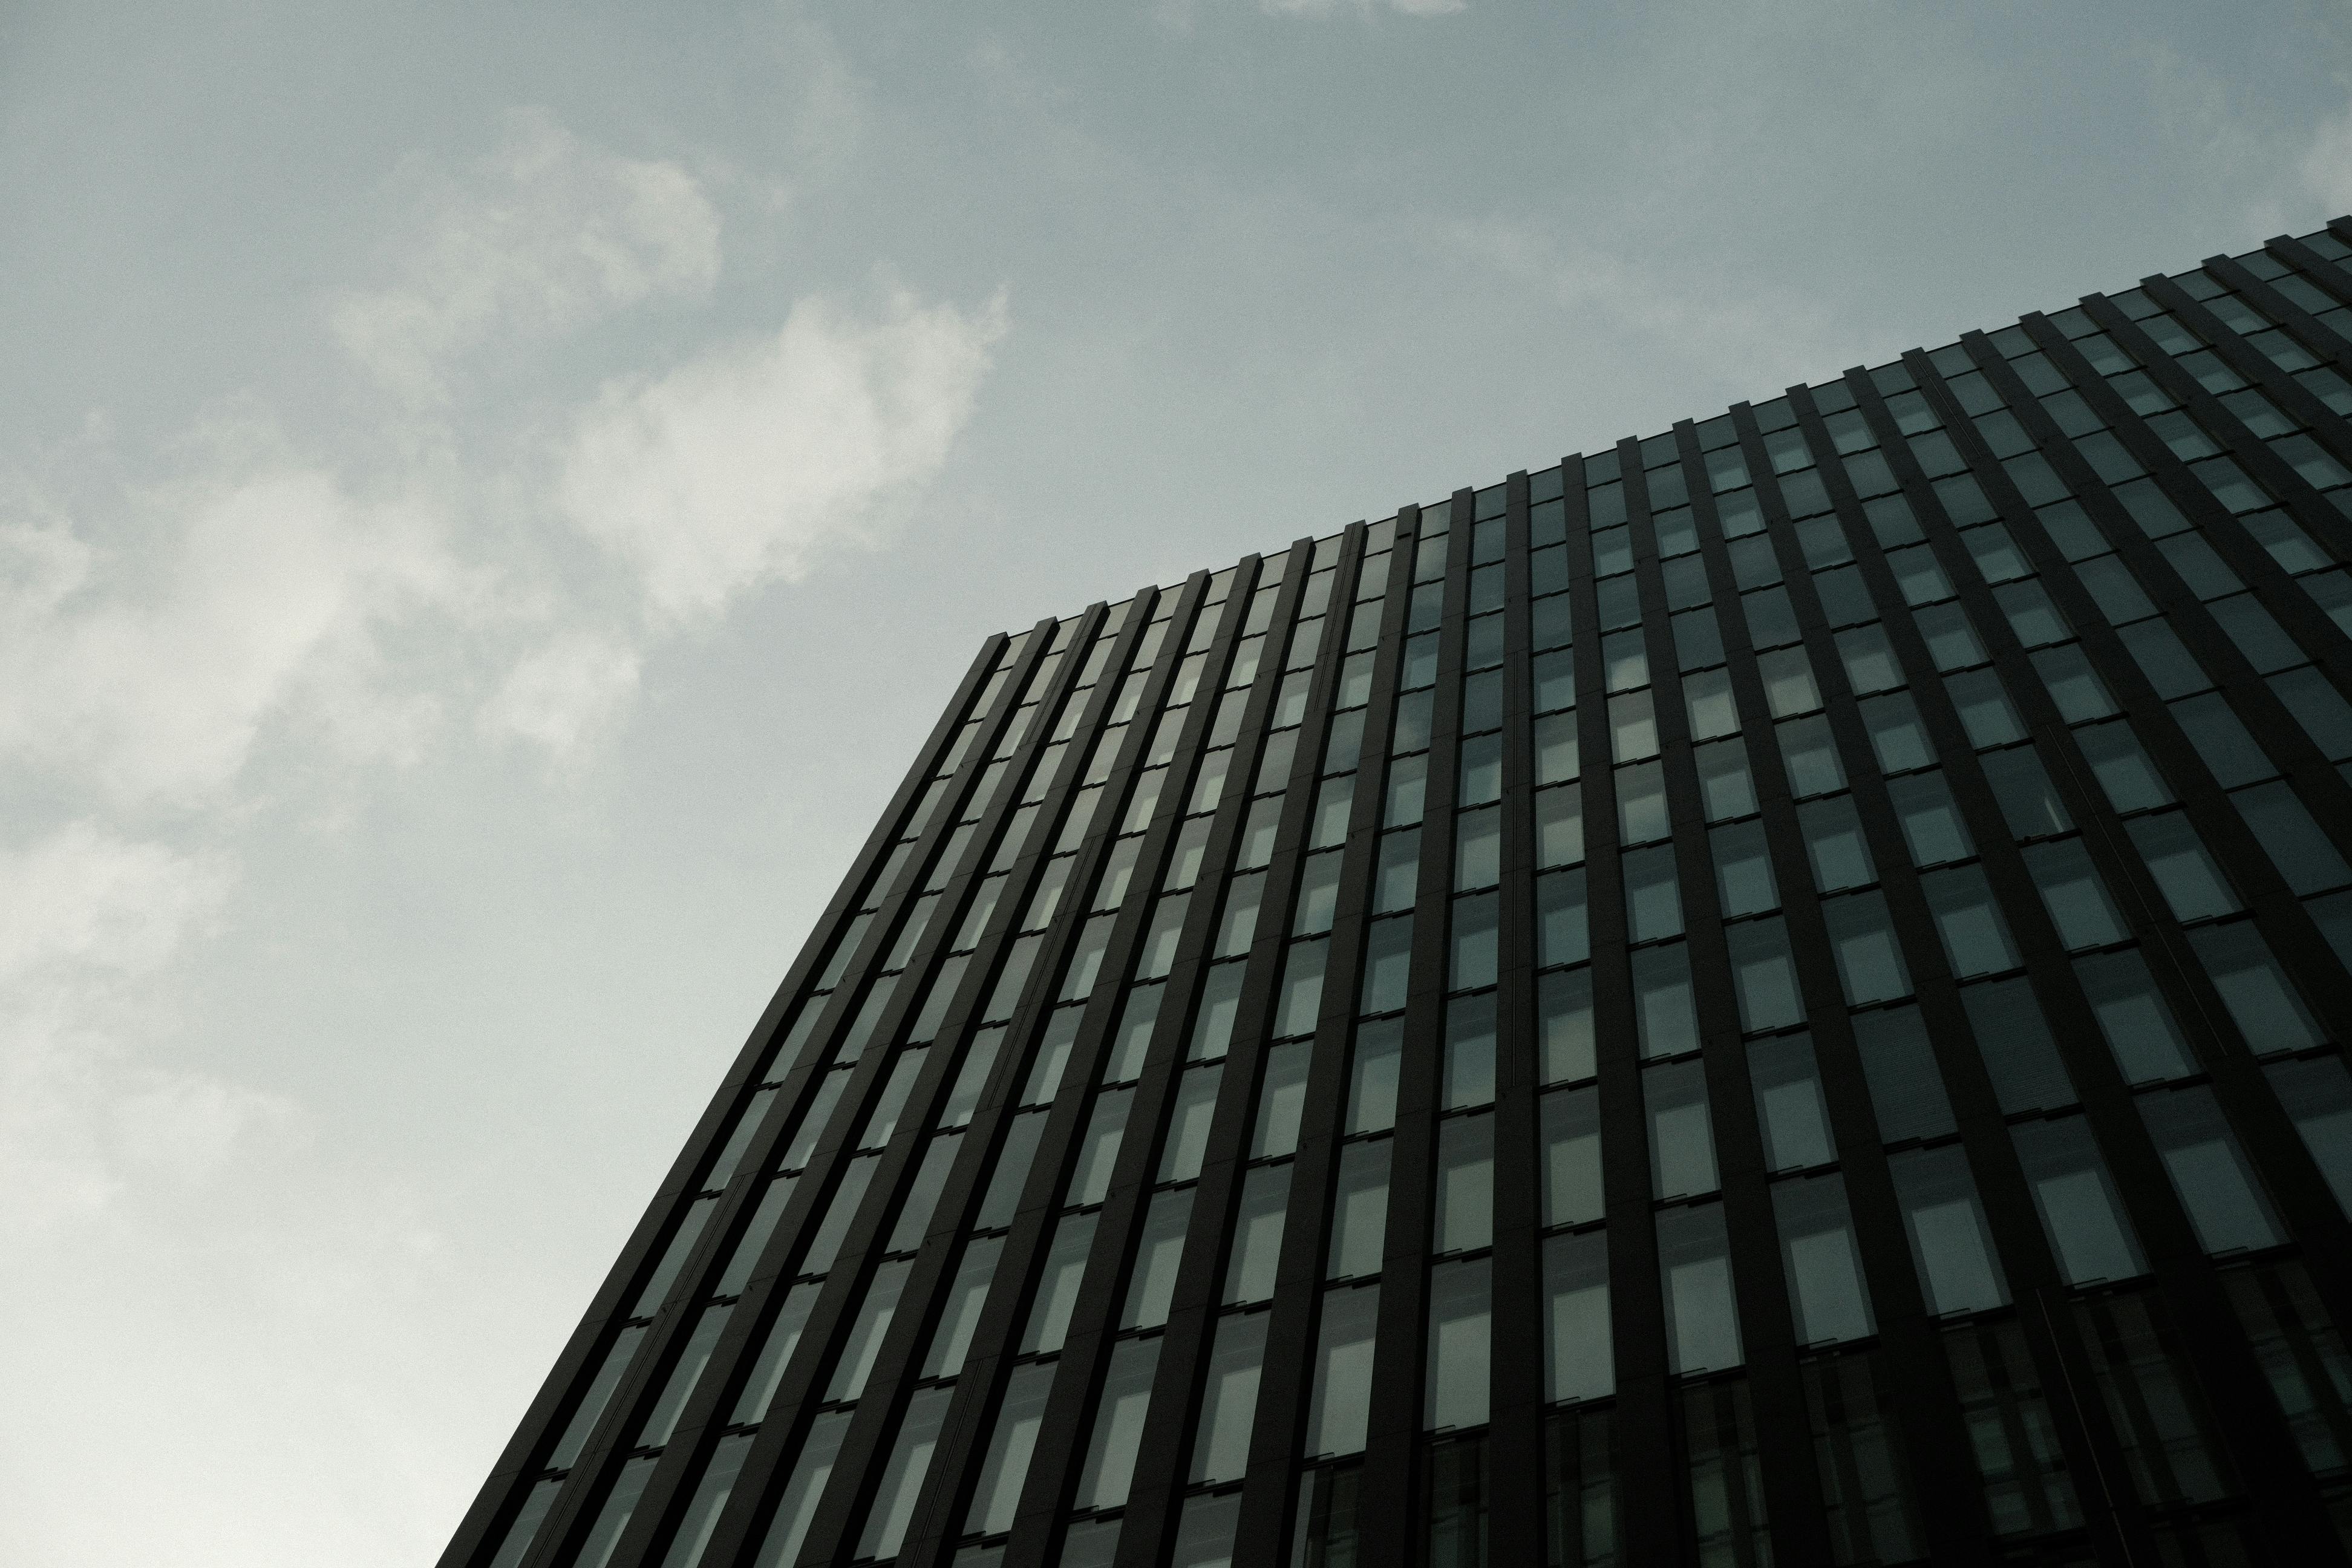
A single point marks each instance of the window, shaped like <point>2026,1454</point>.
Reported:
<point>1932,828</point>
<point>1951,1246</point>
<point>2078,1202</point>
<point>2216,1184</point>
<point>1834,844</point>
<point>2072,892</point>
<point>1360,1211</point>
<point>1229,1398</point>
<point>1257,1236</point>
<point>1159,1252</point>
<point>1119,1412</point>
<point>1869,965</point>
<point>1826,1295</point>
<point>1906,1088</point>
<point>1665,1016</point>
<point>1976,939</point>
<point>2122,767</point>
<point>1789,1110</point>
<point>1341,1403</point>
<point>1465,1220</point>
<point>1579,1360</point>
<point>2317,1093</point>
<point>1682,1143</point>
<point>1694,1260</point>
<point>1456,1372</point>
<point>2019,1053</point>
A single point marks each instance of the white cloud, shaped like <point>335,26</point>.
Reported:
<point>544,234</point>
<point>563,694</point>
<point>739,466</point>
<point>252,584</point>
<point>89,896</point>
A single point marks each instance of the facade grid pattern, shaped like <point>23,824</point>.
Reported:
<point>1772,993</point>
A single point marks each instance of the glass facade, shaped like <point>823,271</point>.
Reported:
<point>1470,1039</point>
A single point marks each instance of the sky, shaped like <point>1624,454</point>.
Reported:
<point>492,496</point>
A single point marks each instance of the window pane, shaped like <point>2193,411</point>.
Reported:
<point>1119,1425</point>
<point>1572,1138</point>
<point>1302,988</point>
<point>1642,803</point>
<point>1976,939</point>
<point>1951,1246</point>
<point>1682,1143</point>
<point>2078,1202</point>
<point>1896,734</point>
<point>1373,1076</point>
<point>2122,767</point>
<point>2072,892</point>
<point>904,1473</point>
<point>2303,854</point>
<point>1476,927</point>
<point>1725,785</point>
<point>1826,1295</point>
<point>2029,800</point>
<point>1564,1025</point>
<point>1057,1284</point>
<point>2014,1039</point>
<point>1477,850</point>
<point>1763,975</point>
<point>1461,1318</point>
<point>788,1525</point>
<point>1743,869</point>
<point>1388,971</point>
<point>1342,1400</point>
<point>1869,965</point>
<point>1695,1259</point>
<point>1790,1108</point>
<point>1470,1051</point>
<point>1932,829</point>
<point>1563,934</point>
<point>1579,1357</point>
<point>1834,844</point>
<point>1863,1479</point>
<point>1653,905</point>
<point>1099,1150</point>
<point>1906,1088</point>
<point>1229,1398</point>
<point>2011,1436</point>
<point>1560,826</point>
<point>2317,1094</point>
<point>2260,1000</point>
<point>2216,1184</point>
<point>2137,1025</point>
<point>1281,1101</point>
<point>1465,1184</point>
<point>1665,1015</point>
<point>1220,1001</point>
<point>1159,1252</point>
<point>1395,884</point>
<point>1258,1235</point>
<point>1187,1123</point>
<point>1360,1211</point>
<point>1810,756</point>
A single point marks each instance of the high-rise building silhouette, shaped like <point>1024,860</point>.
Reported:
<point>1769,993</point>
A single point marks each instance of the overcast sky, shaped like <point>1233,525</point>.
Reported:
<point>492,494</point>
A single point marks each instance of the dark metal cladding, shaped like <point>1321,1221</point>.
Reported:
<point>1773,993</point>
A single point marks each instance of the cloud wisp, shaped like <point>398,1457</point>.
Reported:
<point>543,235</point>
<point>257,624</point>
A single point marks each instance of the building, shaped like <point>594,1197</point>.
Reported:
<point>1770,994</point>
